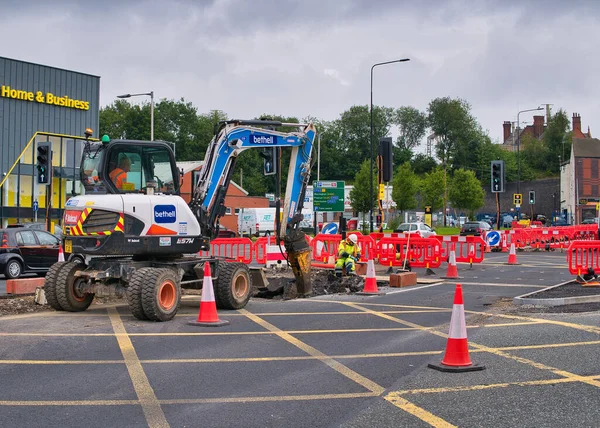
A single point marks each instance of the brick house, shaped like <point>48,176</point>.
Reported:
<point>511,135</point>
<point>580,180</point>
<point>236,197</point>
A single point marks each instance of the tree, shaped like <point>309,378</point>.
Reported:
<point>452,123</point>
<point>412,125</point>
<point>432,193</point>
<point>421,163</point>
<point>360,195</point>
<point>466,192</point>
<point>558,140</point>
<point>406,185</point>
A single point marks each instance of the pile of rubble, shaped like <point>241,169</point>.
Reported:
<point>282,284</point>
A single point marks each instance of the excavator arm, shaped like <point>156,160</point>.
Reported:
<point>232,138</point>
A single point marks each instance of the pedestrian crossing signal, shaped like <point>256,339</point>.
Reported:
<point>518,198</point>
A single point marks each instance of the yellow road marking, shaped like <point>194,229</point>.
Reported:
<point>71,403</point>
<point>419,412</point>
<point>492,386</point>
<point>150,405</point>
<point>264,399</point>
<point>335,365</point>
<point>220,333</point>
<point>494,351</point>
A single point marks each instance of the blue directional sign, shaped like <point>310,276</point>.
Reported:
<point>493,238</point>
<point>35,206</point>
<point>330,228</point>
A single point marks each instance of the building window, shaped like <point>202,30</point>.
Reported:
<point>237,211</point>
<point>228,211</point>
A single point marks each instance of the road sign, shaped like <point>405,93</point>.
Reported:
<point>35,206</point>
<point>330,228</point>
<point>328,196</point>
<point>493,238</point>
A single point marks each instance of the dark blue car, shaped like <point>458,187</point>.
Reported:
<point>24,250</point>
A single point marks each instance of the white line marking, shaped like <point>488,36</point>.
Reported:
<point>415,288</point>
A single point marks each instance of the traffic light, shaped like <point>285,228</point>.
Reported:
<point>269,154</point>
<point>517,199</point>
<point>497,176</point>
<point>43,162</point>
<point>387,163</point>
<point>531,197</point>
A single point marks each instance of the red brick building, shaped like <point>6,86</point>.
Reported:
<point>510,135</point>
<point>235,199</point>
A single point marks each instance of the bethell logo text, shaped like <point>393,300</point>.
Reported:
<point>165,214</point>
<point>263,139</point>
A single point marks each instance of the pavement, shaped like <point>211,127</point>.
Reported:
<point>339,360</point>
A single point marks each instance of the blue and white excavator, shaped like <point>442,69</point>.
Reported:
<point>132,234</point>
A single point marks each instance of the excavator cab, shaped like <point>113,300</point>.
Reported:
<point>119,167</point>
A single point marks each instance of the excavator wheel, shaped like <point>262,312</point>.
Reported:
<point>134,293</point>
<point>50,285</point>
<point>233,287</point>
<point>161,294</point>
<point>68,292</point>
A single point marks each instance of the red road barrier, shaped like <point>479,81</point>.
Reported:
<point>468,249</point>
<point>266,249</point>
<point>582,255</point>
<point>238,249</point>
<point>420,252</point>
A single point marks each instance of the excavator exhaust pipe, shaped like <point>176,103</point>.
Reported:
<point>299,257</point>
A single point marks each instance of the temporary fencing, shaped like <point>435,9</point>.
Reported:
<point>238,249</point>
<point>468,249</point>
<point>419,252</point>
<point>583,255</point>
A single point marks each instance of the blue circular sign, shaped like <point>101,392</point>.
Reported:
<point>330,228</point>
<point>493,238</point>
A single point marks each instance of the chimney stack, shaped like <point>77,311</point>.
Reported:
<point>576,123</point>
<point>538,126</point>
<point>507,130</point>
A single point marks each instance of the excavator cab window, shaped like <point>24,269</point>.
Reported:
<point>133,168</point>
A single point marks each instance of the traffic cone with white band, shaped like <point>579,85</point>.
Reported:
<point>452,269</point>
<point>512,256</point>
<point>61,254</point>
<point>207,316</point>
<point>370,287</point>
<point>456,359</point>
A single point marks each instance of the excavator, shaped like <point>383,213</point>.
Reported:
<point>131,234</point>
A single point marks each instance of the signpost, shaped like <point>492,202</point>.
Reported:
<point>493,238</point>
<point>328,196</point>
<point>35,210</point>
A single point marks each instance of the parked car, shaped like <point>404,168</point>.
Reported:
<point>475,228</point>
<point>39,226</point>
<point>420,229</point>
<point>24,250</point>
<point>591,220</point>
<point>226,233</point>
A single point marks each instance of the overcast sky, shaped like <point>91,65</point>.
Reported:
<point>313,58</point>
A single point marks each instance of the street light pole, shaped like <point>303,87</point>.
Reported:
<point>151,94</point>
<point>371,199</point>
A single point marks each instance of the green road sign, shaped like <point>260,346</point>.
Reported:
<point>328,196</point>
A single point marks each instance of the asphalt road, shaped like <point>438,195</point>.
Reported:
<point>342,360</point>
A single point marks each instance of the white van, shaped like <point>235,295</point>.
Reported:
<point>261,220</point>
<point>256,220</point>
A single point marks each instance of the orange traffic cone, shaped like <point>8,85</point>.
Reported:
<point>452,269</point>
<point>61,255</point>
<point>207,316</point>
<point>370,287</point>
<point>456,359</point>
<point>512,256</point>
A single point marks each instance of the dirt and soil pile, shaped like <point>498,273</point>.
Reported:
<point>282,284</point>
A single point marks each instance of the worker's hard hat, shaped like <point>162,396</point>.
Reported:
<point>353,238</point>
